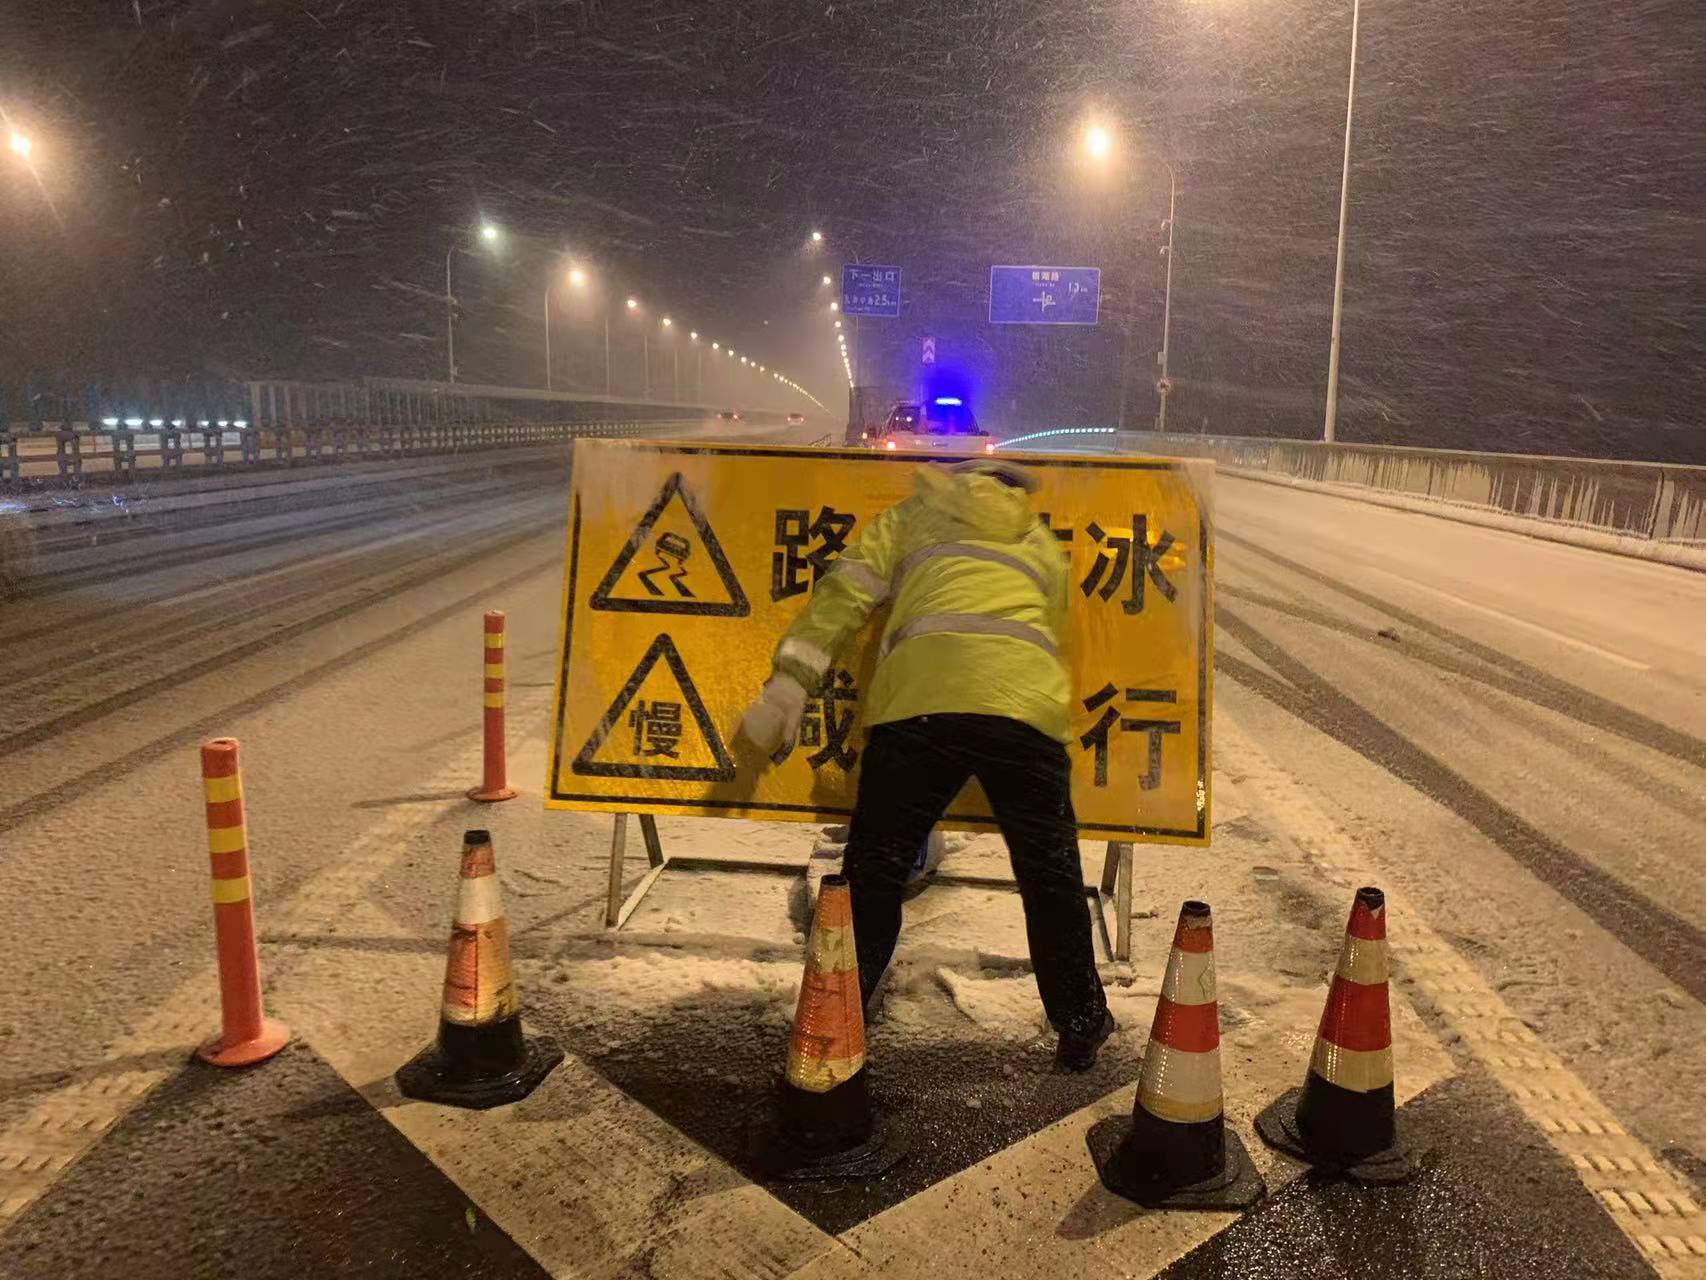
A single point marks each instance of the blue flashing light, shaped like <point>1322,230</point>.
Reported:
<point>949,400</point>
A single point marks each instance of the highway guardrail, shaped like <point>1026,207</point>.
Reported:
<point>1646,501</point>
<point>68,455</point>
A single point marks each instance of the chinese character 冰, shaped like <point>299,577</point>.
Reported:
<point>1114,564</point>
<point>795,531</point>
<point>657,728</point>
<point>1096,737</point>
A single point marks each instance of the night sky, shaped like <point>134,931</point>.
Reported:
<point>247,189</point>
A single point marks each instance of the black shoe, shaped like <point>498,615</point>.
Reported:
<point>1077,1052</point>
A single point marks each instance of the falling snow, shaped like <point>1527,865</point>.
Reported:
<point>1525,219</point>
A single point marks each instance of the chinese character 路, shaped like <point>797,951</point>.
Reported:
<point>796,530</point>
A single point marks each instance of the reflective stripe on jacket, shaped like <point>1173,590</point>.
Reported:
<point>976,589</point>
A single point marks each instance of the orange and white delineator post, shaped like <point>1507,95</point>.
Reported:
<point>246,1034</point>
<point>481,1058</point>
<point>825,1127</point>
<point>1175,1151</point>
<point>1344,1118</point>
<point>495,785</point>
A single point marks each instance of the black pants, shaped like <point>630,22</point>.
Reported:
<point>910,773</point>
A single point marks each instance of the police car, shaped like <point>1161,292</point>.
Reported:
<point>942,424</point>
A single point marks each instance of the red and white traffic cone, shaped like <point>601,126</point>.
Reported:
<point>1343,1118</point>
<point>1176,1151</point>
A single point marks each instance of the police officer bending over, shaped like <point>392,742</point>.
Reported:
<point>969,683</point>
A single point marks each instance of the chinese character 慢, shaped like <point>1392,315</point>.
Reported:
<point>826,726</point>
<point>1096,738</point>
<point>795,531</point>
<point>1116,552</point>
<point>657,728</point>
<point>1036,276</point>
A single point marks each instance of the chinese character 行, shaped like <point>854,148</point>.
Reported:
<point>1096,737</point>
<point>657,728</point>
<point>795,531</point>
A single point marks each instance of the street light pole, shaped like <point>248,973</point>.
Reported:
<point>607,353</point>
<point>646,362</point>
<point>449,314</point>
<point>547,335</point>
<point>1167,304</point>
<point>1327,427</point>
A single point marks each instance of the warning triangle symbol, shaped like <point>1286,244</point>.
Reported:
<point>657,727</point>
<point>672,563</point>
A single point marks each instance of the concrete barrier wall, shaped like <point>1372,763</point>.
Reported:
<point>1631,499</point>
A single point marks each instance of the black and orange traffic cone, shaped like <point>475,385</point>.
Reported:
<point>481,1058</point>
<point>1176,1151</point>
<point>1343,1118</point>
<point>825,1127</point>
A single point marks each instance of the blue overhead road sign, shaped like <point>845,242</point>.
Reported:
<point>1044,295</point>
<point>870,290</point>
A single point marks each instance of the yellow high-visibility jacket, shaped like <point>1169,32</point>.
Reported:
<point>976,588</point>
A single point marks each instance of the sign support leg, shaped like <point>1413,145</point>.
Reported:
<point>616,909</point>
<point>1117,872</point>
<point>618,848</point>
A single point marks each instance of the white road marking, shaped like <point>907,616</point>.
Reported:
<point>1515,621</point>
<point>1648,1203</point>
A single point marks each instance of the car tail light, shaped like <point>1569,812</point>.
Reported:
<point>990,447</point>
<point>889,445</point>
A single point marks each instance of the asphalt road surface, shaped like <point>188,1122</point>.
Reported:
<point>1508,735</point>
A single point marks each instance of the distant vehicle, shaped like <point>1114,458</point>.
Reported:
<point>944,424</point>
<point>730,415</point>
<point>795,419</point>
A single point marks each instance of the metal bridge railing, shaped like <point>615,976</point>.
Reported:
<point>47,457</point>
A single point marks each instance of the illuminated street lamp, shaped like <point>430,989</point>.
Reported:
<point>20,143</point>
<point>666,324</point>
<point>1098,142</point>
<point>633,304</point>
<point>817,237</point>
<point>488,235</point>
<point>835,306</point>
<point>577,280</point>
<point>827,280</point>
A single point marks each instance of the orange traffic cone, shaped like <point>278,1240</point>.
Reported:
<point>481,1058</point>
<point>1176,1151</point>
<point>1343,1118</point>
<point>825,1127</point>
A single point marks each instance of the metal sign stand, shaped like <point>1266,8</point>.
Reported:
<point>1116,882</point>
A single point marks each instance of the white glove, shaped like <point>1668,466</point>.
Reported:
<point>773,721</point>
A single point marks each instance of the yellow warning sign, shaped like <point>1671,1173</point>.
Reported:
<point>686,563</point>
